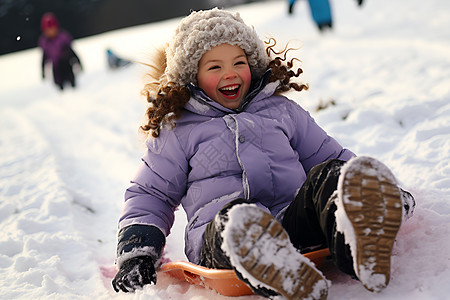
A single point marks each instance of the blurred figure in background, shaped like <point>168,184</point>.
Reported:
<point>56,47</point>
<point>114,61</point>
<point>320,11</point>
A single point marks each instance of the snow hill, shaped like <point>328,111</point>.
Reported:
<point>66,158</point>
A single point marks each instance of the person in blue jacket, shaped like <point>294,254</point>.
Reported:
<point>114,61</point>
<point>320,12</point>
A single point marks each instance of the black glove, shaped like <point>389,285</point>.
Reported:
<point>138,271</point>
<point>135,273</point>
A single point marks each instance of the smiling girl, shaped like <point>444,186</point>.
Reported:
<point>224,75</point>
<point>259,180</point>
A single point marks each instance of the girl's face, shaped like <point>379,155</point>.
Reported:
<point>224,74</point>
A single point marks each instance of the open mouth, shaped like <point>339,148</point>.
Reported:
<point>231,90</point>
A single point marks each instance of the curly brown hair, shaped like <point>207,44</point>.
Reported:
<point>166,102</point>
<point>282,69</point>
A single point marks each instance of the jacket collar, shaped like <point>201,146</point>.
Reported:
<point>202,104</point>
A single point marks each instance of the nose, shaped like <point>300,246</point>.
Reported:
<point>230,74</point>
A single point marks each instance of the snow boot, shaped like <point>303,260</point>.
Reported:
<point>263,256</point>
<point>369,214</point>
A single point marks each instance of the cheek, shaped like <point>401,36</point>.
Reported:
<point>246,77</point>
<point>208,83</point>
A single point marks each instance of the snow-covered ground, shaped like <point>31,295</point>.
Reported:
<point>66,158</point>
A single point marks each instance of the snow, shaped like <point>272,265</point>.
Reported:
<point>66,158</point>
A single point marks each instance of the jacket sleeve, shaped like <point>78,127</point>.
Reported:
<point>74,59</point>
<point>41,45</point>
<point>312,143</point>
<point>44,60</point>
<point>158,186</point>
<point>66,44</point>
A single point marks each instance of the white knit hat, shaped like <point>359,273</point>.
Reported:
<point>203,30</point>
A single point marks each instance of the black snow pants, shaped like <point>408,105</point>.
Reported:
<point>309,221</point>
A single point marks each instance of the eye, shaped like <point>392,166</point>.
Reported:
<point>241,62</point>
<point>213,68</point>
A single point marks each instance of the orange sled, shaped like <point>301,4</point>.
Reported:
<point>224,282</point>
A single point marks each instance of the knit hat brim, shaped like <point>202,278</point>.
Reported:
<point>203,30</point>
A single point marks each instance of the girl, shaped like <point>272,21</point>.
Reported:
<point>259,180</point>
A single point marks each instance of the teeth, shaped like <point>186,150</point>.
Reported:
<point>230,88</point>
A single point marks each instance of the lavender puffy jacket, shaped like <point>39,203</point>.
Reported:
<point>215,155</point>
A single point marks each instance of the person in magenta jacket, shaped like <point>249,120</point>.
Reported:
<point>57,50</point>
<point>221,136</point>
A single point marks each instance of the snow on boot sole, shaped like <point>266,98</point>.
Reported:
<point>261,252</point>
<point>371,200</point>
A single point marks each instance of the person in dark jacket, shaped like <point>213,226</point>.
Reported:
<point>57,50</point>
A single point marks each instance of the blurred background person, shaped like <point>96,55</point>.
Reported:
<point>57,50</point>
<point>320,12</point>
<point>116,62</point>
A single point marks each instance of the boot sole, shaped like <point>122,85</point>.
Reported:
<point>372,203</point>
<point>261,252</point>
